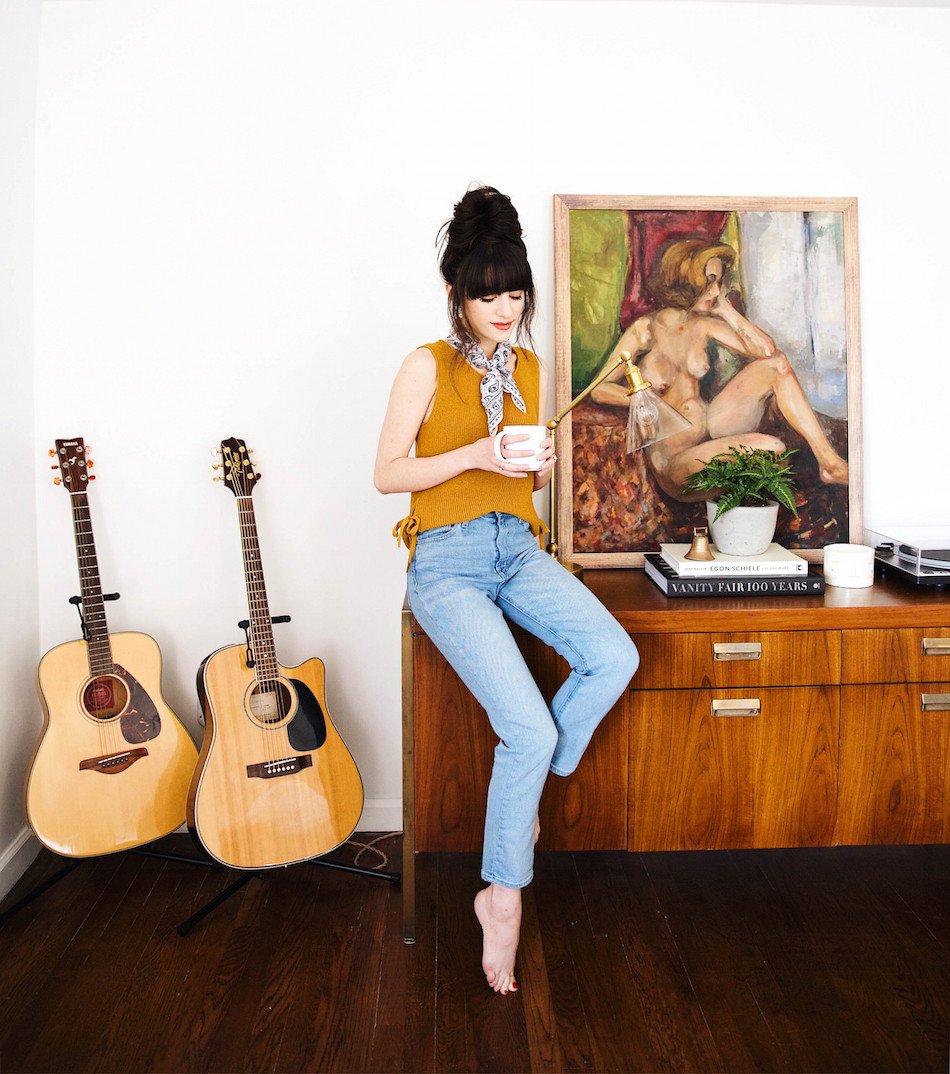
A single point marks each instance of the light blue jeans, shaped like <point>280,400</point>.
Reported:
<point>464,581</point>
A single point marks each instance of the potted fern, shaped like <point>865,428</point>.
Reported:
<point>748,485</point>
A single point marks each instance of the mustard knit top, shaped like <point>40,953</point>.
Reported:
<point>458,418</point>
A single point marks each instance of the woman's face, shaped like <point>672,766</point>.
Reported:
<point>494,318</point>
<point>714,273</point>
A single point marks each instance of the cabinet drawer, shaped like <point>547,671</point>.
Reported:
<point>895,776</point>
<point>765,775</point>
<point>789,658</point>
<point>914,655</point>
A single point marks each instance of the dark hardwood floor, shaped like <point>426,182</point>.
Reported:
<point>782,960</point>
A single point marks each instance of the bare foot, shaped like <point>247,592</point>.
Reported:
<point>498,910</point>
<point>537,828</point>
<point>835,472</point>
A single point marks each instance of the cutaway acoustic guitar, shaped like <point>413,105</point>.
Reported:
<point>113,764</point>
<point>275,783</point>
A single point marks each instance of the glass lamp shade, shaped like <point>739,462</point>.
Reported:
<point>650,420</point>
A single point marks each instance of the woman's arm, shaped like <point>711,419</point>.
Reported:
<point>638,340</point>
<point>728,327</point>
<point>409,404</point>
<point>546,454</point>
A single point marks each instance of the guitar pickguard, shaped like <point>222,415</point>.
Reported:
<point>140,722</point>
<point>308,729</point>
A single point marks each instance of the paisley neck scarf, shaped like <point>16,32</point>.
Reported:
<point>496,379</point>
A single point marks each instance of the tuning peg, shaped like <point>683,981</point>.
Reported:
<point>54,466</point>
<point>90,463</point>
<point>217,478</point>
<point>52,453</point>
<point>92,477</point>
<point>57,480</point>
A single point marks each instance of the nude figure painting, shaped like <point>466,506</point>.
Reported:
<point>743,314</point>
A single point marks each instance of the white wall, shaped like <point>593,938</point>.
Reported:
<point>236,204</point>
<point>19,617</point>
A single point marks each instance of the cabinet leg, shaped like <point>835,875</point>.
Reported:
<point>408,782</point>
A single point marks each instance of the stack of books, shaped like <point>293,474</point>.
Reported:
<point>775,573</point>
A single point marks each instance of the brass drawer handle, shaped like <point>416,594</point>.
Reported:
<point>737,706</point>
<point>935,702</point>
<point>935,646</point>
<point>737,650</point>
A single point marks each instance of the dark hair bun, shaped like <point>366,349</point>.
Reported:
<point>482,219</point>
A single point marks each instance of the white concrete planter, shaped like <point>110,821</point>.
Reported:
<point>743,531</point>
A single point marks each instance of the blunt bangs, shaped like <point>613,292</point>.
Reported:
<point>500,268</point>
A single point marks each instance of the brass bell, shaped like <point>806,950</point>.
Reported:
<point>699,549</point>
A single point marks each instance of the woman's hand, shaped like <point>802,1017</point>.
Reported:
<point>546,454</point>
<point>724,306</point>
<point>483,456</point>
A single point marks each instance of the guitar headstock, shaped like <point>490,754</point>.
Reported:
<point>239,474</point>
<point>73,463</point>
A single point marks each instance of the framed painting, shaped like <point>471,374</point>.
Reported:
<point>743,315</point>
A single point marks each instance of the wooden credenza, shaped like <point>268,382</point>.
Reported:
<point>756,722</point>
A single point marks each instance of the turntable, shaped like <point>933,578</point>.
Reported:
<point>918,555</point>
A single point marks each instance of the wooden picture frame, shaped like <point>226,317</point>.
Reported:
<point>792,283</point>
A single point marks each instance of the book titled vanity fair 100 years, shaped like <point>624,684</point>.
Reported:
<point>659,571</point>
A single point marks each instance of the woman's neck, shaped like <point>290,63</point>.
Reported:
<point>488,348</point>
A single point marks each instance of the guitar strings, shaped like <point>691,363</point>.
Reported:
<point>240,492</point>
<point>237,474</point>
<point>265,670</point>
<point>85,550</point>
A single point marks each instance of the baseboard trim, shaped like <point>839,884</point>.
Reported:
<point>381,815</point>
<point>17,858</point>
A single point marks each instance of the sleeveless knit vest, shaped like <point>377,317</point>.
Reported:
<point>457,419</point>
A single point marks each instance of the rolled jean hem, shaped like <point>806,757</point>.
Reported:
<point>562,772</point>
<point>490,879</point>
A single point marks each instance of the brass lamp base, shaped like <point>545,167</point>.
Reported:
<point>575,568</point>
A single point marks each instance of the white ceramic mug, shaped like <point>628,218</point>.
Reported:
<point>536,434</point>
<point>849,566</point>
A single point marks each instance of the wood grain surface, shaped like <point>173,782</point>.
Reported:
<point>704,781</point>
<point>772,960</point>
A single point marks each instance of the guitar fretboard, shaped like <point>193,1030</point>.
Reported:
<point>90,587</point>
<point>262,633</point>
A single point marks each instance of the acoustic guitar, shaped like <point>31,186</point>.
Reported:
<point>113,763</point>
<point>275,783</point>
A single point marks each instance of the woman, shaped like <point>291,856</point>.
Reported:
<point>475,560</point>
<point>672,347</point>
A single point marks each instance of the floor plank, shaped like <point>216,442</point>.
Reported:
<point>403,1034</point>
<point>659,1009</point>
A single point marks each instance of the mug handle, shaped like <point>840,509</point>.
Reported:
<point>496,443</point>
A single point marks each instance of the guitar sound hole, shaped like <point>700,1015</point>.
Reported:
<point>270,702</point>
<point>105,697</point>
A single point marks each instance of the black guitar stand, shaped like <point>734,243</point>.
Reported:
<point>77,601</point>
<point>185,927</point>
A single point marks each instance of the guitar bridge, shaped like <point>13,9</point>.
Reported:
<point>112,763</point>
<point>286,766</point>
